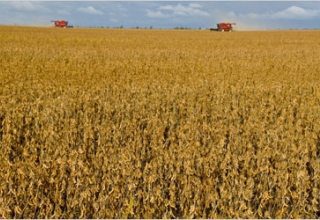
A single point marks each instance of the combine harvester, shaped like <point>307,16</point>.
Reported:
<point>61,24</point>
<point>223,27</point>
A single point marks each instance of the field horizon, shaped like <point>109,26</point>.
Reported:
<point>154,28</point>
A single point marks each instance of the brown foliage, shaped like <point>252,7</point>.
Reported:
<point>159,124</point>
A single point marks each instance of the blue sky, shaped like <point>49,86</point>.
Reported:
<point>169,14</point>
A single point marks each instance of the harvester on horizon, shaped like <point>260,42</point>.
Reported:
<point>61,24</point>
<point>224,27</point>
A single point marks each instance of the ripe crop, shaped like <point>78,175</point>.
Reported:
<point>159,124</point>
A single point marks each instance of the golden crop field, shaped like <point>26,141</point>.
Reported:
<point>159,124</point>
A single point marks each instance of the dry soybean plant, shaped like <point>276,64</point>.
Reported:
<point>159,124</point>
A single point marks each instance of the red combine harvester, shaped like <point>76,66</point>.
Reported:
<point>224,27</point>
<point>61,24</point>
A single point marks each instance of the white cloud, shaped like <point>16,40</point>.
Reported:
<point>25,5</point>
<point>191,9</point>
<point>295,12</point>
<point>90,10</point>
<point>165,11</point>
<point>156,14</point>
<point>195,5</point>
<point>292,12</point>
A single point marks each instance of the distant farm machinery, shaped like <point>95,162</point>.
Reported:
<point>223,27</point>
<point>61,24</point>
